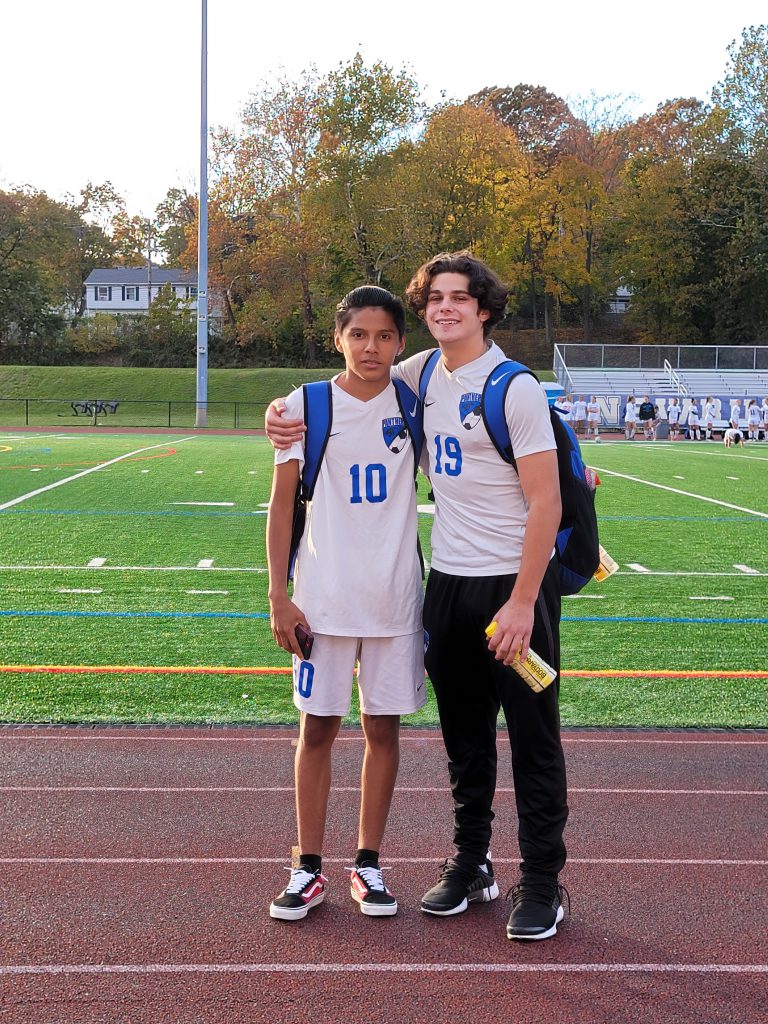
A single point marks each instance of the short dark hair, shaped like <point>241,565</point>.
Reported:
<point>366,296</point>
<point>484,284</point>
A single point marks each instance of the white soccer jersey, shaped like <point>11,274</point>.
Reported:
<point>753,416</point>
<point>579,411</point>
<point>673,414</point>
<point>710,412</point>
<point>693,415</point>
<point>630,414</point>
<point>568,410</point>
<point>764,413</point>
<point>358,571</point>
<point>736,411</point>
<point>593,412</point>
<point>480,511</point>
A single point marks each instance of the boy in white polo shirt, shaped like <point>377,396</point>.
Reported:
<point>364,496</point>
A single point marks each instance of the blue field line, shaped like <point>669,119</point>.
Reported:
<point>265,615</point>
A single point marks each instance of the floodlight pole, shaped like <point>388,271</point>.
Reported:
<point>201,414</point>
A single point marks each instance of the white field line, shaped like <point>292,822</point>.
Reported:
<point>356,789</point>
<point>259,569</point>
<point>165,736</point>
<point>147,568</point>
<point>85,472</point>
<point>747,570</point>
<point>217,504</point>
<point>718,862</point>
<point>205,563</point>
<point>637,567</point>
<point>82,590</point>
<point>685,494</point>
<point>720,597</point>
<point>302,968</point>
<point>96,563</point>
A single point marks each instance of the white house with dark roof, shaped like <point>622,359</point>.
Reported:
<point>127,289</point>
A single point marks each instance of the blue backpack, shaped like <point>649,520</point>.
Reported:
<point>577,541</point>
<point>318,418</point>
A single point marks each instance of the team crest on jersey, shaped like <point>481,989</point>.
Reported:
<point>395,433</point>
<point>470,409</point>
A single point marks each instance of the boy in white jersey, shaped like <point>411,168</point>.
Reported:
<point>492,546</point>
<point>593,418</point>
<point>364,493</point>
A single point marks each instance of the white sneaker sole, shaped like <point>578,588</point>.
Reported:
<point>542,935</point>
<point>487,894</point>
<point>373,909</point>
<point>294,913</point>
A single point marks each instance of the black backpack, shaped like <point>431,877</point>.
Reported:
<point>577,545</point>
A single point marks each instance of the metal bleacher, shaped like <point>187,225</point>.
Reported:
<point>695,370</point>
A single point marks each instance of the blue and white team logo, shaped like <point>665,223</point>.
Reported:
<point>426,641</point>
<point>395,433</point>
<point>470,409</point>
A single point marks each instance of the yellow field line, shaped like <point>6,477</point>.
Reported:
<point>260,670</point>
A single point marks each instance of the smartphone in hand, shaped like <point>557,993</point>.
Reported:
<point>305,639</point>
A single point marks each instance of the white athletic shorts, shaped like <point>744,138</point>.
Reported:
<point>390,676</point>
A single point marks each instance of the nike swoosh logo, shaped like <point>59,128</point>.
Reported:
<point>414,409</point>
<point>496,381</point>
<point>427,404</point>
<point>335,433</point>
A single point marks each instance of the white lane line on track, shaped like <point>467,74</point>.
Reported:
<point>685,494</point>
<point>14,970</point>
<point>356,789</point>
<point>162,737</point>
<point>91,469</point>
<point>176,861</point>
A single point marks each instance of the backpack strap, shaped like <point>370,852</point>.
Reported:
<point>493,402</point>
<point>318,417</point>
<point>426,373</point>
<point>413,414</point>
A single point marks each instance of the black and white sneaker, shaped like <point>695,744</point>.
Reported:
<point>368,889</point>
<point>458,887</point>
<point>305,890</point>
<point>537,909</point>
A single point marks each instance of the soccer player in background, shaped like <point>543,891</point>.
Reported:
<point>673,418</point>
<point>364,502</point>
<point>630,418</point>
<point>492,560</point>
<point>693,421</point>
<point>754,420</point>
<point>579,414</point>
<point>710,410</point>
<point>593,417</point>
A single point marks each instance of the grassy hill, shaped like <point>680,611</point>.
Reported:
<point>151,384</point>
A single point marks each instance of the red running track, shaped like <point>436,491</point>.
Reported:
<point>138,864</point>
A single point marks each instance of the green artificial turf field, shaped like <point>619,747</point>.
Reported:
<point>157,560</point>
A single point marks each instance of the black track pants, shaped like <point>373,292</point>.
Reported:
<point>471,686</point>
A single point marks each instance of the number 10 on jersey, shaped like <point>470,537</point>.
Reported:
<point>375,481</point>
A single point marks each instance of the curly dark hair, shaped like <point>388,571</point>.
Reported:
<point>366,296</point>
<point>484,284</point>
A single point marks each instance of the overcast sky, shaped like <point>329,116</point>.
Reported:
<point>95,91</point>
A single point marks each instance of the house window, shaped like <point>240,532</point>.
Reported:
<point>103,293</point>
<point>191,291</point>
<point>131,293</point>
